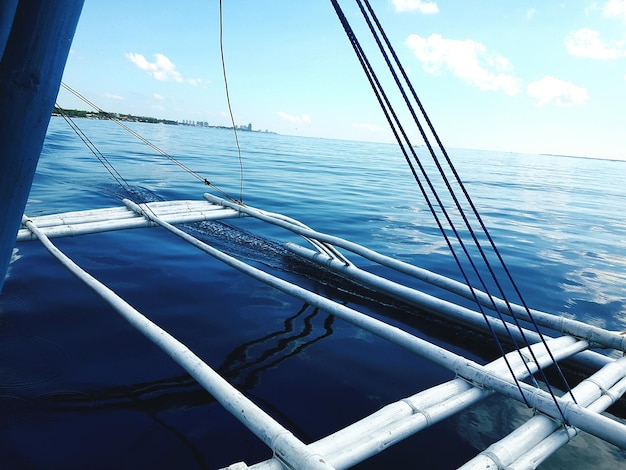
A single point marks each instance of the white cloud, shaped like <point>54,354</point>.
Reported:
<point>111,96</point>
<point>368,127</point>
<point>552,90</point>
<point>195,81</point>
<point>415,5</point>
<point>159,97</point>
<point>305,118</point>
<point>530,13</point>
<point>162,69</point>
<point>469,60</point>
<point>615,8</point>
<point>587,43</point>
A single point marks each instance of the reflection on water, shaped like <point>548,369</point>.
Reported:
<point>244,365</point>
<point>159,400</point>
<point>243,368</point>
<point>496,417</point>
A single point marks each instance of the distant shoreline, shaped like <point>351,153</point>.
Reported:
<point>76,113</point>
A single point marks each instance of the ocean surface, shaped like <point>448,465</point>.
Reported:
<point>79,388</point>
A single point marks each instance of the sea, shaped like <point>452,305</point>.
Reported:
<point>80,388</point>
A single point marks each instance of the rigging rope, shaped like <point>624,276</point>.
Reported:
<point>466,195</point>
<point>394,122</point>
<point>126,187</point>
<point>230,109</point>
<point>111,117</point>
<point>468,199</point>
<point>97,153</point>
<point>456,176</point>
<point>404,143</point>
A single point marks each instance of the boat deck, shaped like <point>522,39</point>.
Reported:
<point>556,421</point>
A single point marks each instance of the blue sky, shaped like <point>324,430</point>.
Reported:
<point>519,75</point>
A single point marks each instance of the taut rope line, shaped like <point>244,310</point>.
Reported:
<point>397,129</point>
<point>230,109</point>
<point>111,117</point>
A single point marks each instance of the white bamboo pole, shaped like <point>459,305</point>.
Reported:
<point>122,212</point>
<point>73,224</point>
<point>396,421</point>
<point>286,446</point>
<point>538,438</point>
<point>435,305</point>
<point>594,334</point>
<point>77,217</point>
<point>593,423</point>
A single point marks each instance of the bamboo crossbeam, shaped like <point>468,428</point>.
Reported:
<point>363,439</point>
<point>396,421</point>
<point>534,441</point>
<point>71,224</point>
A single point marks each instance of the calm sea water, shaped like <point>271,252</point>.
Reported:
<point>79,388</point>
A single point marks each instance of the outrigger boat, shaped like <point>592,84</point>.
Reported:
<point>35,37</point>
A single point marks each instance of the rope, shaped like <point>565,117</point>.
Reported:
<point>474,210</point>
<point>230,109</point>
<point>97,153</point>
<point>126,187</point>
<point>397,129</point>
<point>111,117</point>
<point>403,139</point>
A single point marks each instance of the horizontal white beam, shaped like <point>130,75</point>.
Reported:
<point>71,224</point>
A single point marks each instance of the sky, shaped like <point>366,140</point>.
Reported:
<point>515,76</point>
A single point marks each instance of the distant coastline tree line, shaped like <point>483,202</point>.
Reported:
<point>76,113</point>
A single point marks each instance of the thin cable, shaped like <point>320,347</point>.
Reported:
<point>394,122</point>
<point>123,184</point>
<point>387,108</point>
<point>97,153</point>
<point>474,210</point>
<point>230,109</point>
<point>111,117</point>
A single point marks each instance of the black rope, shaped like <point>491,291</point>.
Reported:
<point>97,153</point>
<point>394,122</point>
<point>388,111</point>
<point>451,224</point>
<point>126,187</point>
<point>474,210</point>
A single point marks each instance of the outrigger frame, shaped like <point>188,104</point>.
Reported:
<point>526,447</point>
